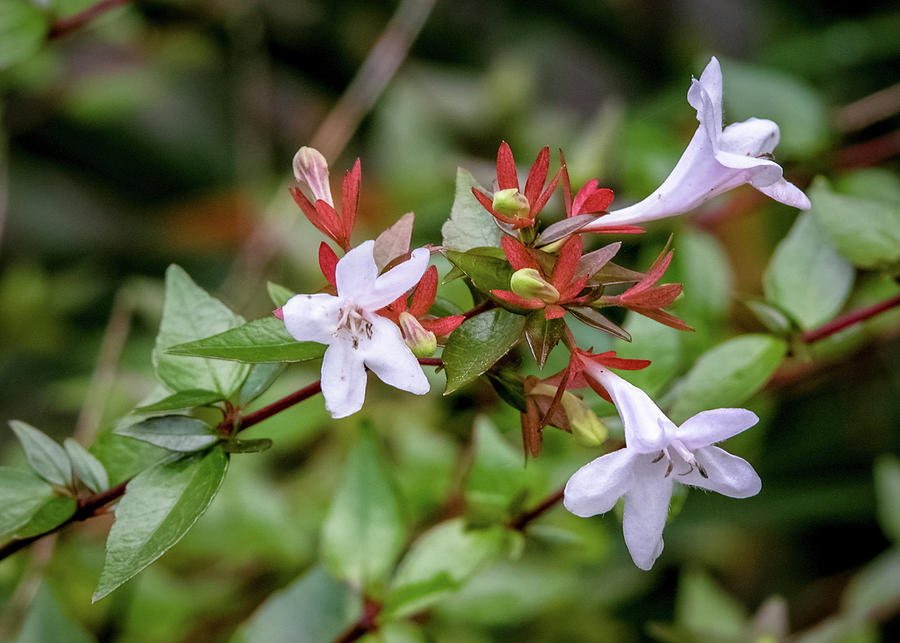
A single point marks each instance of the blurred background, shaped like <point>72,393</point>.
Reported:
<point>162,132</point>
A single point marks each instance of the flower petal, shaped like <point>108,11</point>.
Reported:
<point>312,318</point>
<point>646,510</point>
<point>388,356</point>
<point>595,487</point>
<point>705,95</point>
<point>709,427</point>
<point>787,193</point>
<point>396,281</point>
<point>355,273</point>
<point>726,474</point>
<point>343,379</point>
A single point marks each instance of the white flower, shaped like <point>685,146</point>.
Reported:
<point>357,337</point>
<point>715,161</point>
<point>657,454</point>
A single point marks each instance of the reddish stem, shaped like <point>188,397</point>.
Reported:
<point>525,519</point>
<point>849,319</point>
<point>67,25</point>
<point>279,405</point>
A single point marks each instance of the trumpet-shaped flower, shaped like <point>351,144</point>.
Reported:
<point>656,455</point>
<point>715,161</point>
<point>356,335</point>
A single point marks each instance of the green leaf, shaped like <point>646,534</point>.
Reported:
<point>365,529</point>
<point>261,340</point>
<point>806,277</point>
<point>866,231</point>
<point>88,468</point>
<point>486,267</point>
<point>22,493</point>
<point>727,375</point>
<point>51,514</point>
<point>876,588</point>
<point>182,400</point>
<point>656,342</point>
<point>704,607</point>
<point>470,225</point>
<point>543,335</point>
<point>771,317</point>
<point>159,507</point>
<point>314,608</point>
<point>247,446</point>
<point>510,386</point>
<point>44,455</point>
<point>703,268</point>
<point>887,495</point>
<point>478,343</point>
<point>174,432</point>
<point>23,27</point>
<point>279,294</point>
<point>124,458</point>
<point>261,377</point>
<point>47,621</point>
<point>190,313</point>
<point>440,560</point>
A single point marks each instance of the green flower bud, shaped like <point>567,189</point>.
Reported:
<point>421,342</point>
<point>587,429</point>
<point>511,203</point>
<point>529,283</point>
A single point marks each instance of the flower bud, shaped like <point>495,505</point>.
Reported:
<point>587,429</point>
<point>311,168</point>
<point>421,342</point>
<point>528,283</point>
<point>511,203</point>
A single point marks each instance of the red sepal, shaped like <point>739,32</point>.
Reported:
<point>517,254</point>
<point>506,168</point>
<point>442,326</point>
<point>536,177</point>
<point>425,293</point>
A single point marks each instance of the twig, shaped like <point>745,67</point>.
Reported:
<point>67,25</point>
<point>279,405</point>
<point>849,319</point>
<point>869,110</point>
<point>523,520</point>
<point>367,623</point>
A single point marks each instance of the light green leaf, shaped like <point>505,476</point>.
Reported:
<point>875,588</point>
<point>887,495</point>
<point>279,294</point>
<point>51,514</point>
<point>173,432</point>
<point>704,607</point>
<point>656,342</point>
<point>261,340</point>
<point>866,231</point>
<point>704,269</point>
<point>247,446</point>
<point>440,560</point>
<point>22,493</point>
<point>727,375</point>
<point>23,27</point>
<point>470,225</point>
<point>159,507</point>
<point>46,621</point>
<point>182,400</point>
<point>365,529</point>
<point>806,277</point>
<point>478,343</point>
<point>123,457</point>
<point>261,377</point>
<point>44,455</point>
<point>314,608</point>
<point>190,313</point>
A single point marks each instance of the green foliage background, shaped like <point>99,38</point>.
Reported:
<point>163,132</point>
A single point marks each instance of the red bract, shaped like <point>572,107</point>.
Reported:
<point>507,179</point>
<point>336,226</point>
<point>563,278</point>
<point>422,300</point>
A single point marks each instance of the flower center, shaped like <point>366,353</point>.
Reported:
<point>352,318</point>
<point>685,454</point>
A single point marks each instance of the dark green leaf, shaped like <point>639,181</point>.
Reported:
<point>866,231</point>
<point>887,488</point>
<point>482,265</point>
<point>51,514</point>
<point>806,277</point>
<point>365,529</point>
<point>159,507</point>
<point>247,446</point>
<point>543,335</point>
<point>46,622</point>
<point>279,294</point>
<point>595,319</point>
<point>88,468</point>
<point>261,377</point>
<point>478,343</point>
<point>190,313</point>
<point>23,27</point>
<point>470,225</point>
<point>261,340</point>
<point>44,455</point>
<point>182,400</point>
<point>727,375</point>
<point>510,386</point>
<point>22,493</point>
<point>314,608</point>
<point>173,432</point>
<point>123,457</point>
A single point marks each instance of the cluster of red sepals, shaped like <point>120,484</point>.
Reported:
<point>570,274</point>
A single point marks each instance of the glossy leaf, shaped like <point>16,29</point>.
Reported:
<point>486,267</point>
<point>510,386</point>
<point>22,493</point>
<point>261,340</point>
<point>470,225</point>
<point>727,375</point>
<point>806,276</point>
<point>478,343</point>
<point>88,468</point>
<point>159,507</point>
<point>44,455</point>
<point>182,400</point>
<point>51,514</point>
<point>543,335</point>
<point>174,432</point>
<point>190,313</point>
<point>365,529</point>
<point>23,27</point>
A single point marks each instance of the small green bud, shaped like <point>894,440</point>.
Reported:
<point>511,203</point>
<point>421,342</point>
<point>528,283</point>
<point>587,429</point>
